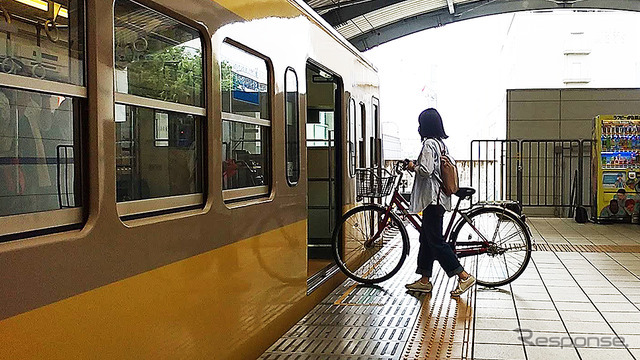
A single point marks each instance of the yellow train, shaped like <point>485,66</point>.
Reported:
<point>170,173</point>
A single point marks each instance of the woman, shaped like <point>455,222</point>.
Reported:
<point>428,198</point>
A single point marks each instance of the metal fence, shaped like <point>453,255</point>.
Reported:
<point>537,173</point>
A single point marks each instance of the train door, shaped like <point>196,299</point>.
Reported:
<point>324,168</point>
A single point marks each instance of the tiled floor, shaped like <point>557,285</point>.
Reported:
<point>566,305</point>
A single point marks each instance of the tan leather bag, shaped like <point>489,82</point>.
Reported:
<point>448,173</point>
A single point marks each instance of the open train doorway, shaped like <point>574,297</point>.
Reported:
<point>324,168</point>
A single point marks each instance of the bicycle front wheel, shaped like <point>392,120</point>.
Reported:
<point>368,248</point>
<point>507,250</point>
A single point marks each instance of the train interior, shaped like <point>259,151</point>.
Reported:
<point>323,170</point>
<point>38,167</point>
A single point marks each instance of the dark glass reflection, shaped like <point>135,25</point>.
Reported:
<point>157,153</point>
<point>38,164</point>
<point>245,149</point>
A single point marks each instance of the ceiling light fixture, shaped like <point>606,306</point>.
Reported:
<point>44,6</point>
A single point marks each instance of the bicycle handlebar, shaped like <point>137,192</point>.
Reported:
<point>401,166</point>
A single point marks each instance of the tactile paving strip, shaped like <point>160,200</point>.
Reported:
<point>444,328</point>
<point>383,322</point>
<point>354,322</point>
<point>588,248</point>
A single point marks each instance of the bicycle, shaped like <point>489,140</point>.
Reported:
<point>371,243</point>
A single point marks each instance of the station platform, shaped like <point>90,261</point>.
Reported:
<point>578,299</point>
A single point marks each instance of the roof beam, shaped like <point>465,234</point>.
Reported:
<point>324,8</point>
<point>476,9</point>
<point>347,10</point>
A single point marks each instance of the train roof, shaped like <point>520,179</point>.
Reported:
<point>312,14</point>
<point>370,23</point>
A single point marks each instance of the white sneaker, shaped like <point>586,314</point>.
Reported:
<point>420,286</point>
<point>463,285</point>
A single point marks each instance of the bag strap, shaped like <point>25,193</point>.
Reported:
<point>438,166</point>
<point>443,147</point>
<point>438,180</point>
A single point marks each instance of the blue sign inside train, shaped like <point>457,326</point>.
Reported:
<point>250,97</point>
<point>247,89</point>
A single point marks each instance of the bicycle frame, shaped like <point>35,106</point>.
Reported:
<point>471,248</point>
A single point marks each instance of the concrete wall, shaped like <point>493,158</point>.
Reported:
<point>564,113</point>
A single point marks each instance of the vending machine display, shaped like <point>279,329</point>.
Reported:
<point>616,168</point>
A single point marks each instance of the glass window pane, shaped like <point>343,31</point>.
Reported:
<point>321,133</point>
<point>375,134</point>
<point>245,154</point>
<point>156,56</point>
<point>158,153</point>
<point>352,138</point>
<point>244,83</point>
<point>362,141</point>
<point>38,165</point>
<point>292,127</point>
<point>39,44</point>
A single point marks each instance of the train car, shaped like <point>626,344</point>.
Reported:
<point>171,172</point>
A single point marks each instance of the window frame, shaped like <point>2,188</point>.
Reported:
<point>376,133</point>
<point>23,225</point>
<point>160,205</point>
<point>352,142</point>
<point>362,137</point>
<point>288,70</point>
<point>260,191</point>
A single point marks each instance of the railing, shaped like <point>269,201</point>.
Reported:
<point>494,163</point>
<point>537,173</point>
<point>65,176</point>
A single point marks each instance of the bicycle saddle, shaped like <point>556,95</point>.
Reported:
<point>465,192</point>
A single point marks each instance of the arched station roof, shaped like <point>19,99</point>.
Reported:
<point>369,23</point>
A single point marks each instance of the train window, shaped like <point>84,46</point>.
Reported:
<point>246,123</point>
<point>159,111</point>
<point>362,136</point>
<point>292,130</point>
<point>351,137</point>
<point>41,98</point>
<point>376,150</point>
<point>44,40</point>
<point>156,56</point>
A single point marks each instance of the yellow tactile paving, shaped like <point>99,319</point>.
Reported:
<point>444,327</point>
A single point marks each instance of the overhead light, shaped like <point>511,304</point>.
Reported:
<point>44,6</point>
<point>564,2</point>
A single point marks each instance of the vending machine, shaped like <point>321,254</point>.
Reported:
<point>616,168</point>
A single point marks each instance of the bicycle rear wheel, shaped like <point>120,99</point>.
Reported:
<point>509,250</point>
<point>367,250</point>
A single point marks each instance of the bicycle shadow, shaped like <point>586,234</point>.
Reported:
<point>492,290</point>
<point>374,287</point>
